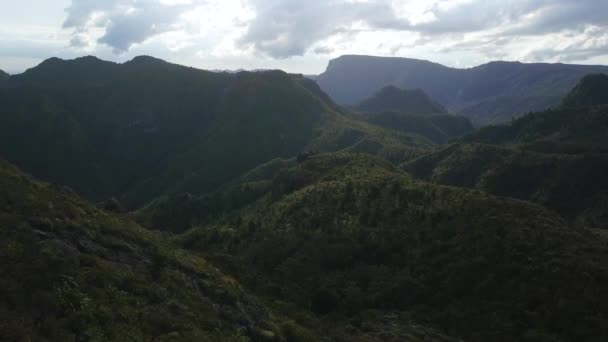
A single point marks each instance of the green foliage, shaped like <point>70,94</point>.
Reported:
<point>391,98</point>
<point>146,128</point>
<point>573,185</point>
<point>72,272</point>
<point>437,128</point>
<point>341,234</point>
<point>590,91</point>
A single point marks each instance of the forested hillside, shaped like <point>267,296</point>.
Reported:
<point>343,234</point>
<point>188,205</point>
<point>556,158</point>
<point>146,128</point>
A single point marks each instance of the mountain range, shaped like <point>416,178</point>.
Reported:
<point>146,127</point>
<point>176,204</point>
<point>490,93</point>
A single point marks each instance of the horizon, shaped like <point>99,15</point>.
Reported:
<point>302,37</point>
<point>290,72</point>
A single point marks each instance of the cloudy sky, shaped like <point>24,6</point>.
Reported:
<point>302,35</point>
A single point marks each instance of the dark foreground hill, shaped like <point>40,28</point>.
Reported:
<point>71,272</point>
<point>345,235</point>
<point>146,128</point>
<point>490,93</point>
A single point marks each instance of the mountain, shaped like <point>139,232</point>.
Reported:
<point>578,126</point>
<point>391,98</point>
<point>71,272</point>
<point>438,128</point>
<point>3,78</point>
<point>571,184</point>
<point>592,90</point>
<point>555,158</point>
<point>413,112</point>
<point>146,128</point>
<point>346,235</point>
<point>490,93</point>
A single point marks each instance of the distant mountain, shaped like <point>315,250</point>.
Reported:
<point>147,127</point>
<point>412,111</point>
<point>556,158</point>
<point>391,98</point>
<point>592,90</point>
<point>490,93</point>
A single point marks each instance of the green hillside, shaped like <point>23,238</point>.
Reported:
<point>571,184</point>
<point>439,128</point>
<point>592,90</point>
<point>556,158</point>
<point>563,130</point>
<point>391,98</point>
<point>343,234</point>
<point>71,272</point>
<point>146,128</point>
<point>249,206</point>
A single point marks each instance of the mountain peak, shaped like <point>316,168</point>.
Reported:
<point>146,60</point>
<point>391,98</point>
<point>592,90</point>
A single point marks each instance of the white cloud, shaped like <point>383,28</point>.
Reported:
<point>304,34</point>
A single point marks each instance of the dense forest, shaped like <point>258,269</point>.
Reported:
<point>148,201</point>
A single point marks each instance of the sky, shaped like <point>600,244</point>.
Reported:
<point>303,35</point>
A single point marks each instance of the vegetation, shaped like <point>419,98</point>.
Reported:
<point>391,98</point>
<point>439,128</point>
<point>555,158</point>
<point>340,225</point>
<point>341,234</point>
<point>591,91</point>
<point>147,128</point>
<point>571,184</point>
<point>71,272</point>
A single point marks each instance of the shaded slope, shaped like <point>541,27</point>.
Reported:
<point>592,90</point>
<point>572,185</point>
<point>490,93</point>
<point>72,272</point>
<point>342,234</point>
<point>146,127</point>
<point>555,158</point>
<point>412,111</point>
<point>439,128</point>
<point>563,130</point>
<point>391,98</point>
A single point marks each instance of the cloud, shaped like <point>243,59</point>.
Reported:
<point>286,28</point>
<point>123,23</point>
